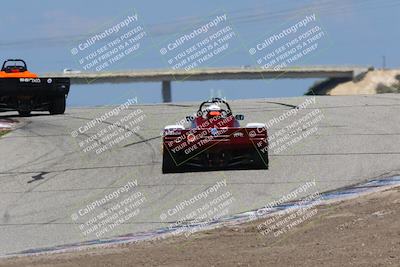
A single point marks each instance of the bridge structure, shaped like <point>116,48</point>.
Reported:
<point>167,76</point>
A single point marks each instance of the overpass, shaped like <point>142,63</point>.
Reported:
<point>242,73</point>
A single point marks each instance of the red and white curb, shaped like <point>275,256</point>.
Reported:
<point>7,124</point>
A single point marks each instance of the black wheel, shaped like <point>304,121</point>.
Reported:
<point>24,113</point>
<point>168,163</point>
<point>266,160</point>
<point>57,106</point>
<point>261,160</point>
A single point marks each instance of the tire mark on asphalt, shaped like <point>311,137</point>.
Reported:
<point>14,204</point>
<point>37,177</point>
<point>143,139</point>
<point>28,163</point>
<point>155,163</point>
<point>181,105</point>
<point>81,168</point>
<point>259,110</point>
<point>282,104</point>
<point>146,141</point>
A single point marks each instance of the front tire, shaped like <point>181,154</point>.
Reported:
<point>57,106</point>
<point>24,113</point>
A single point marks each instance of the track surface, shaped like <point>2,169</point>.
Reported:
<point>45,177</point>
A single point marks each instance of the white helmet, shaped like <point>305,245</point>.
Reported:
<point>214,107</point>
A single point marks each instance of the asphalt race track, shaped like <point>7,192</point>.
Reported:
<point>45,177</point>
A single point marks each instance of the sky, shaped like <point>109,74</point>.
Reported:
<point>355,32</point>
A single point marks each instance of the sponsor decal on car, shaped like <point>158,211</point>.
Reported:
<point>238,134</point>
<point>29,80</point>
<point>191,137</point>
<point>214,131</point>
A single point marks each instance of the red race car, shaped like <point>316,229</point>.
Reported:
<point>214,141</point>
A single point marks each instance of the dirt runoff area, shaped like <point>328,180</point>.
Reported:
<point>360,232</point>
<point>374,82</point>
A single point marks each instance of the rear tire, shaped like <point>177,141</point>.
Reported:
<point>168,163</point>
<point>24,113</point>
<point>261,160</point>
<point>57,106</point>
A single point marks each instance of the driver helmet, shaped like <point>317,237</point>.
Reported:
<point>214,110</point>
